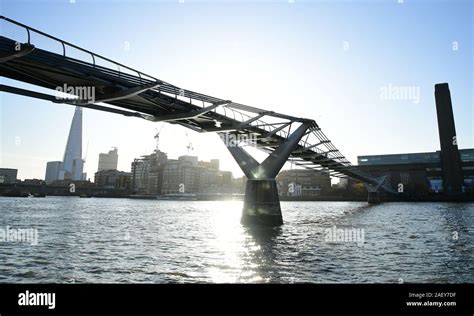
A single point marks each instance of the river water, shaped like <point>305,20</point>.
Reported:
<point>123,240</point>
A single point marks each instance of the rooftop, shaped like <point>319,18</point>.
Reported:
<point>467,155</point>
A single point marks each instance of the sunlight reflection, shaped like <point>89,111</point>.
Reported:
<point>228,241</point>
<point>244,253</point>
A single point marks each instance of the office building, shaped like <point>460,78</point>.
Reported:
<point>52,171</point>
<point>188,175</point>
<point>108,161</point>
<point>449,171</point>
<point>147,173</point>
<point>302,182</point>
<point>419,173</point>
<point>112,179</point>
<point>8,175</point>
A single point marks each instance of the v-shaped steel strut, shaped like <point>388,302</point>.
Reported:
<point>261,202</point>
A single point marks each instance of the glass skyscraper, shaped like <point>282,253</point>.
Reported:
<point>72,165</point>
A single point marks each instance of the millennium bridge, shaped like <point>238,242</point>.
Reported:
<point>123,90</point>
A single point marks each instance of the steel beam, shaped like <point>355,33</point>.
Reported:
<point>119,95</point>
<point>312,146</point>
<point>188,115</point>
<point>25,49</point>
<point>276,130</point>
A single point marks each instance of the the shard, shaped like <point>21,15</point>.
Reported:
<point>73,164</point>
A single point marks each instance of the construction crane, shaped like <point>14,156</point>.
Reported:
<point>189,147</point>
<point>157,137</point>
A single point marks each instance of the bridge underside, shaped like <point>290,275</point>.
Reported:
<point>122,90</point>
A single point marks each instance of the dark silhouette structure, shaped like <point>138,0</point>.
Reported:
<point>453,179</point>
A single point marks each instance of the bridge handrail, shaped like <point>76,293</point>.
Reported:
<point>64,44</point>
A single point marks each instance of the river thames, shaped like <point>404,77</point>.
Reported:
<point>146,241</point>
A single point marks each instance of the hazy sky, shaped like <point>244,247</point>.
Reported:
<point>331,61</point>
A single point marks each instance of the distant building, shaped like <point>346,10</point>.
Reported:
<point>192,160</point>
<point>33,181</point>
<point>188,175</point>
<point>52,171</point>
<point>72,165</point>
<point>239,185</point>
<point>8,175</point>
<point>212,165</point>
<point>225,181</point>
<point>302,182</point>
<point>419,173</point>
<point>343,183</point>
<point>108,161</point>
<point>112,179</point>
<point>449,171</point>
<point>181,175</point>
<point>212,181</point>
<point>156,174</point>
<point>147,173</point>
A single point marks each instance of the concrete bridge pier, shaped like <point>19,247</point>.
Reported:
<point>373,191</point>
<point>373,198</point>
<point>261,202</point>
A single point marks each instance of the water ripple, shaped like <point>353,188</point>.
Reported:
<point>121,240</point>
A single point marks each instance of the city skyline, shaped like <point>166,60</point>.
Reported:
<point>321,70</point>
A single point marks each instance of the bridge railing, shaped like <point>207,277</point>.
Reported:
<point>64,44</point>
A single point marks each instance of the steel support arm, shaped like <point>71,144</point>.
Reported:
<point>270,167</point>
